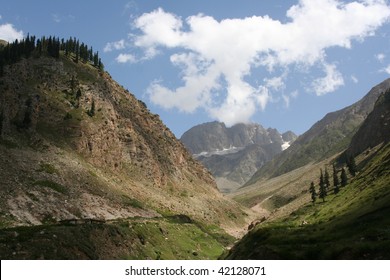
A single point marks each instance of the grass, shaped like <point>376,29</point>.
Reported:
<point>132,202</point>
<point>159,238</point>
<point>354,224</point>
<point>52,185</point>
<point>47,168</point>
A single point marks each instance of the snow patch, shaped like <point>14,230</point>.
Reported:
<point>223,151</point>
<point>285,145</point>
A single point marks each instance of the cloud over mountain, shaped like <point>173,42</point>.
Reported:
<point>217,58</point>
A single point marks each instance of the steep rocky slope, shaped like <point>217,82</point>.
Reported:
<point>76,145</point>
<point>325,138</point>
<point>375,129</point>
<point>234,154</point>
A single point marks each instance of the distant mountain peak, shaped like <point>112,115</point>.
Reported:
<point>233,154</point>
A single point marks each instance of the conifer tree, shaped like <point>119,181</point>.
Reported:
<point>322,192</point>
<point>91,112</point>
<point>336,182</point>
<point>326,179</point>
<point>78,95</point>
<point>352,166</point>
<point>313,193</point>
<point>344,178</point>
<point>77,51</point>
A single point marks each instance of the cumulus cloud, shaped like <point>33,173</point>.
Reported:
<point>380,57</point>
<point>125,58</point>
<point>118,45</point>
<point>387,70</point>
<point>9,33</point>
<point>287,98</point>
<point>217,58</point>
<point>332,81</point>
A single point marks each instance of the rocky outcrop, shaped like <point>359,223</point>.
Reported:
<point>375,129</point>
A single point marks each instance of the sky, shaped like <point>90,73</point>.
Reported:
<point>283,64</point>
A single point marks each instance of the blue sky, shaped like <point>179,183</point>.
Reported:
<point>283,64</point>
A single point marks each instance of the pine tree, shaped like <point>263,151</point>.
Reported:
<point>77,51</point>
<point>96,59</point>
<point>78,95</point>
<point>326,179</point>
<point>344,179</point>
<point>352,166</point>
<point>336,182</point>
<point>322,192</point>
<point>91,112</point>
<point>313,193</point>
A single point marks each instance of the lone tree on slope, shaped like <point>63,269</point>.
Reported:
<point>351,166</point>
<point>322,192</point>
<point>336,182</point>
<point>313,193</point>
<point>344,178</point>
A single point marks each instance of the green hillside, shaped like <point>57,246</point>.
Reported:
<point>354,224</point>
<point>175,237</point>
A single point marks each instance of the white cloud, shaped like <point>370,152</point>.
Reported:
<point>287,98</point>
<point>387,70</point>
<point>380,57</point>
<point>118,45</point>
<point>217,57</point>
<point>56,18</point>
<point>332,81</point>
<point>354,79</point>
<point>125,57</point>
<point>295,94</point>
<point>9,33</point>
<point>275,83</point>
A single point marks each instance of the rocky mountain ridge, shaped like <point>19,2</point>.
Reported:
<point>234,154</point>
<point>374,130</point>
<point>325,138</point>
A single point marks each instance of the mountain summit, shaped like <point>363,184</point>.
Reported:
<point>233,154</point>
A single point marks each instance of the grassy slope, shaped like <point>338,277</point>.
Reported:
<point>158,238</point>
<point>354,224</point>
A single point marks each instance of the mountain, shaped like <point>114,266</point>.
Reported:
<point>325,138</point>
<point>76,146</point>
<point>234,154</point>
<point>351,224</point>
<point>375,129</point>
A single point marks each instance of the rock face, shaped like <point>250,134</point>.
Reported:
<point>75,144</point>
<point>375,129</point>
<point>233,154</point>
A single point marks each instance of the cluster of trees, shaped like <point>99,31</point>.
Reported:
<point>52,46</point>
<point>325,182</point>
